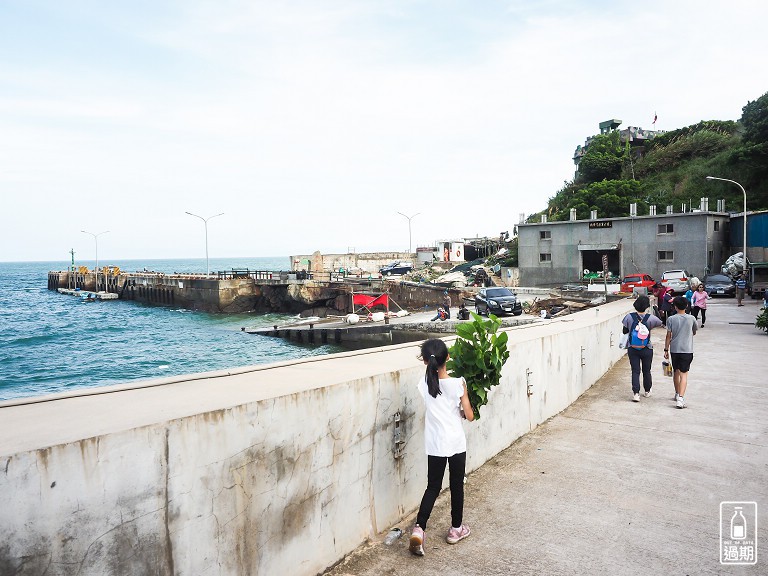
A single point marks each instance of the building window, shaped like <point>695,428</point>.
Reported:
<point>545,235</point>
<point>666,256</point>
<point>545,257</point>
<point>666,229</point>
<point>717,225</point>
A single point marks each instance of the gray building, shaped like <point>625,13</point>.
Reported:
<point>554,253</point>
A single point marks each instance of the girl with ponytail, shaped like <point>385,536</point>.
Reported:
<point>446,403</point>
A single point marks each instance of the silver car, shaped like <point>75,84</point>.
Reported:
<point>679,281</point>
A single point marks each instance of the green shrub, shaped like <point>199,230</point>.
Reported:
<point>762,320</point>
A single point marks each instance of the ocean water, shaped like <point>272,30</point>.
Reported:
<point>52,343</point>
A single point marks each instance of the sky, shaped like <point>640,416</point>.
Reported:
<point>312,124</point>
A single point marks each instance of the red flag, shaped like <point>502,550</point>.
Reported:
<point>654,118</point>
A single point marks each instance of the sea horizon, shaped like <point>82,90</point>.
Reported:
<point>67,262</point>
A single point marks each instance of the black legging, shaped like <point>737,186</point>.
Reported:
<point>640,359</point>
<point>435,472</point>
<point>703,314</point>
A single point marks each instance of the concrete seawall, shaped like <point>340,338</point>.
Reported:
<point>279,469</point>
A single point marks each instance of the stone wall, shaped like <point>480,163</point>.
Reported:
<point>278,469</point>
<point>365,262</point>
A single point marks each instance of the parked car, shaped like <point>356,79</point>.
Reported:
<point>637,281</point>
<point>719,285</point>
<point>396,268</point>
<point>498,301</point>
<point>676,280</point>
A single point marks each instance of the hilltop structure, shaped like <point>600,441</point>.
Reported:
<point>637,137</point>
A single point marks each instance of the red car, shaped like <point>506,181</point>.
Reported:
<point>637,281</point>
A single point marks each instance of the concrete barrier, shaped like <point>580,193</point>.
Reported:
<point>279,469</point>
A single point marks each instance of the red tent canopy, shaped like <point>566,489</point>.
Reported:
<point>370,301</point>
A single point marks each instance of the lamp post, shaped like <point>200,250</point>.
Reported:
<point>409,227</point>
<point>744,239</point>
<point>96,240</point>
<point>205,221</point>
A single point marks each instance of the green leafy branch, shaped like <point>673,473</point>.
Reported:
<point>478,356</point>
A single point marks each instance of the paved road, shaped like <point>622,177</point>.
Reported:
<point>615,487</point>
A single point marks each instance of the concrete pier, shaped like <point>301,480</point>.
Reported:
<point>413,327</point>
<point>222,292</point>
<point>252,290</point>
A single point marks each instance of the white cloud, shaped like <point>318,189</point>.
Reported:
<point>310,125</point>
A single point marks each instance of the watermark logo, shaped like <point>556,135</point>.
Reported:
<point>738,533</point>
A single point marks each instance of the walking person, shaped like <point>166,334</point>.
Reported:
<point>699,303</point>
<point>689,297</point>
<point>447,403</point>
<point>741,286</point>
<point>681,328</point>
<point>639,348</point>
<point>662,294</point>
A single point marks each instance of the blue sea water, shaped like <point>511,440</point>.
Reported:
<point>51,342</point>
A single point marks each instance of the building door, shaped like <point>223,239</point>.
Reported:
<point>592,263</point>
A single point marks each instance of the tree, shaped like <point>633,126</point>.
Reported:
<point>754,119</point>
<point>603,159</point>
<point>611,198</point>
<point>671,170</point>
<point>752,156</point>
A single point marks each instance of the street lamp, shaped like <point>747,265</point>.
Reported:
<point>205,221</point>
<point>95,239</point>
<point>745,214</point>
<point>409,227</point>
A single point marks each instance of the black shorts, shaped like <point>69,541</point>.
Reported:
<point>681,360</point>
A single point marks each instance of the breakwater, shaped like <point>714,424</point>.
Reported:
<point>231,292</point>
<point>236,291</point>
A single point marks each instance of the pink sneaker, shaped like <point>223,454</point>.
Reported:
<point>416,545</point>
<point>456,534</point>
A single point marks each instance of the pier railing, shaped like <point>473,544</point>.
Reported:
<point>262,274</point>
<point>293,275</point>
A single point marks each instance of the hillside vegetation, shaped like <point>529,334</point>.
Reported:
<point>672,169</point>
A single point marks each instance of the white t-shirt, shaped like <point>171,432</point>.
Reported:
<point>443,433</point>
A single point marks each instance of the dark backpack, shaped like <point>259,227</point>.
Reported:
<point>634,340</point>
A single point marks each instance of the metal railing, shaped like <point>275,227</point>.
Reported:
<point>264,274</point>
